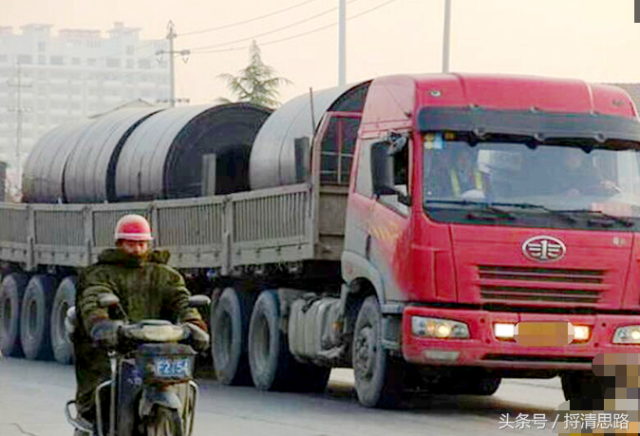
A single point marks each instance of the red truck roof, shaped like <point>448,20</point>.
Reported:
<point>394,98</point>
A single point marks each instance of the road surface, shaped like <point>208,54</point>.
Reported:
<point>33,394</point>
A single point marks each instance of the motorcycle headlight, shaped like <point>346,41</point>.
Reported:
<point>438,328</point>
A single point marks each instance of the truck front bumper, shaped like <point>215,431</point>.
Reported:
<point>484,349</point>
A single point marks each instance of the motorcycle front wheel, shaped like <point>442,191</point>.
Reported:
<point>165,422</point>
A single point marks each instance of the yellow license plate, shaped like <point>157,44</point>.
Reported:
<point>544,334</point>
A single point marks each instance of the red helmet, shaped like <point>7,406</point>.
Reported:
<point>133,228</point>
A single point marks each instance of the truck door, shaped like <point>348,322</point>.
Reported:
<point>388,236</point>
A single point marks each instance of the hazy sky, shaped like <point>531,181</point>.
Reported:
<point>590,39</point>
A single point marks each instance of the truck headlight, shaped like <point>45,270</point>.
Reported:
<point>627,335</point>
<point>438,328</point>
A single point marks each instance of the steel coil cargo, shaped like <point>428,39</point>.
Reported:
<point>43,176</point>
<point>90,171</point>
<point>164,156</point>
<point>273,159</point>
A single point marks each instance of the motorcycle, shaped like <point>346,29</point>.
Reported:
<point>151,391</point>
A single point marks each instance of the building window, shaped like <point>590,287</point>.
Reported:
<point>113,63</point>
<point>75,61</point>
<point>24,59</point>
<point>130,64</point>
<point>144,64</point>
<point>42,46</point>
<point>91,62</point>
<point>42,60</point>
<point>130,50</point>
<point>93,44</point>
<point>57,60</point>
<point>4,59</point>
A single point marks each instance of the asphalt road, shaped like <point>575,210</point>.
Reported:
<point>33,394</point>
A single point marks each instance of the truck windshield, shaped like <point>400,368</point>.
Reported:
<point>566,184</point>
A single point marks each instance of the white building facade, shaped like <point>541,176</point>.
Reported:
<point>51,79</point>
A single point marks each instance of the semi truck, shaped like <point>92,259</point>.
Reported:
<point>436,232</point>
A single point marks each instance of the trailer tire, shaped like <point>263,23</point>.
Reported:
<point>581,385</point>
<point>269,357</point>
<point>11,295</point>
<point>229,332</point>
<point>65,298</point>
<point>35,320</point>
<point>379,378</point>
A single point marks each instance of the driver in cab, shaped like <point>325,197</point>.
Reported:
<point>579,177</point>
<point>147,289</point>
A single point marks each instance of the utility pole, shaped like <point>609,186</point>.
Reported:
<point>171,35</point>
<point>19,110</point>
<point>342,43</point>
<point>447,33</point>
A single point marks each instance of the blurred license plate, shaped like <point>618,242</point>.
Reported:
<point>172,367</point>
<point>544,334</point>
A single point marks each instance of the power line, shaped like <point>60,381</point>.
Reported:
<point>238,23</point>
<point>288,26</point>
<point>299,35</point>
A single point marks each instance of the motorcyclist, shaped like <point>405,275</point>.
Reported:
<point>147,288</point>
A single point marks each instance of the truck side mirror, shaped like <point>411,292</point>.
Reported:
<point>382,169</point>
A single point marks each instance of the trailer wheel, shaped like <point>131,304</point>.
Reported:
<point>229,330</point>
<point>64,299</point>
<point>269,356</point>
<point>11,294</point>
<point>379,378</point>
<point>581,385</point>
<point>35,320</point>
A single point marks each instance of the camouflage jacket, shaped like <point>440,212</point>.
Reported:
<point>147,288</point>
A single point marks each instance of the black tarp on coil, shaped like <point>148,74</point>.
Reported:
<point>163,157</point>
<point>89,175</point>
<point>43,177</point>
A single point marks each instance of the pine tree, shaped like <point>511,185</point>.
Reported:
<point>257,83</point>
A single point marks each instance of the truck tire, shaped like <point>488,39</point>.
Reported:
<point>269,357</point>
<point>11,295</point>
<point>379,378</point>
<point>64,299</point>
<point>581,385</point>
<point>35,320</point>
<point>229,332</point>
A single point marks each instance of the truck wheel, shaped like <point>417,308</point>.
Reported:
<point>379,378</point>
<point>11,294</point>
<point>64,299</point>
<point>229,331</point>
<point>581,384</point>
<point>35,321</point>
<point>269,356</point>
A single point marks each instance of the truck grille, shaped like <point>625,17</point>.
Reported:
<point>522,284</point>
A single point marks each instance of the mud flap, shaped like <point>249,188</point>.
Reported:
<point>165,397</point>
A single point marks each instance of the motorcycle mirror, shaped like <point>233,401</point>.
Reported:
<point>108,300</point>
<point>199,301</point>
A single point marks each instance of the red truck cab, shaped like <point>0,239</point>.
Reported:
<point>494,221</point>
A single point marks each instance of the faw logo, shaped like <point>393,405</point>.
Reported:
<point>544,249</point>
